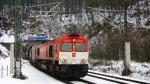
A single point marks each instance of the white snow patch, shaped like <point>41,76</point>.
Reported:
<point>139,70</point>
<point>33,75</point>
<point>7,38</point>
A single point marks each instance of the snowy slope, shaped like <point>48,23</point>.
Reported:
<point>139,70</point>
<point>33,75</point>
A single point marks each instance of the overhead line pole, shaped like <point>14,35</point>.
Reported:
<point>127,58</point>
<point>125,21</point>
<point>17,44</point>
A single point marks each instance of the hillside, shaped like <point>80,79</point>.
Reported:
<point>101,21</point>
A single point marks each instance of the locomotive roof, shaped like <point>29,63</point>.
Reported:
<point>72,36</point>
<point>66,37</point>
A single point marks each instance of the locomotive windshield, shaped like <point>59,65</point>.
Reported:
<point>66,46</point>
<point>80,47</point>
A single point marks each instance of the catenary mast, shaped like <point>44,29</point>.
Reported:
<point>17,44</point>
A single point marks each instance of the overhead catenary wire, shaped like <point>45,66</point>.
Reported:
<point>43,5</point>
<point>45,15</point>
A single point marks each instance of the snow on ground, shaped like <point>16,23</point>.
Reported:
<point>7,38</point>
<point>97,81</point>
<point>33,75</point>
<point>4,51</point>
<point>139,70</point>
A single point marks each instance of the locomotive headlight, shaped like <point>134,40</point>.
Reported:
<point>84,61</point>
<point>63,60</point>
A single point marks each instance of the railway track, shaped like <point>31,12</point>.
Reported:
<point>105,77</point>
<point>76,81</point>
<point>68,81</point>
<point>115,79</point>
<point>85,81</point>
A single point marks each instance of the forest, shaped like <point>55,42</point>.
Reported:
<point>98,20</point>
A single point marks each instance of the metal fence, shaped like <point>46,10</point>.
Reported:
<point>4,70</point>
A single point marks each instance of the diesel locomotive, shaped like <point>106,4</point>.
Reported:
<point>66,57</point>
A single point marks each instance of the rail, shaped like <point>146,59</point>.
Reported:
<point>116,77</point>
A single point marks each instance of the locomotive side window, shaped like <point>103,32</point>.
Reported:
<point>66,46</point>
<point>51,51</point>
<point>80,47</point>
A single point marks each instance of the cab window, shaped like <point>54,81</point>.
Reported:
<point>66,46</point>
<point>80,47</point>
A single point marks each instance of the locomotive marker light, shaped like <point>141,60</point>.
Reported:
<point>84,61</point>
<point>74,40</point>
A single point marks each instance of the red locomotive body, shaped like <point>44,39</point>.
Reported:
<point>66,57</point>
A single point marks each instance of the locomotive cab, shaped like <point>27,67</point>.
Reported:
<point>73,56</point>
